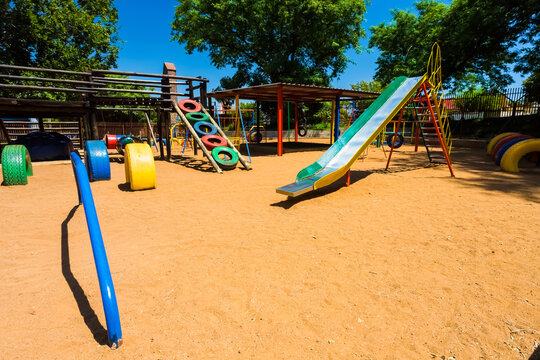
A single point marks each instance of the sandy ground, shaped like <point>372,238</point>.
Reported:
<point>408,264</point>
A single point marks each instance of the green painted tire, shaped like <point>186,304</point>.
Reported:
<point>16,165</point>
<point>194,117</point>
<point>225,164</point>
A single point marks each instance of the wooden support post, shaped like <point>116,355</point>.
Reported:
<point>40,124</point>
<point>168,87</point>
<point>238,118</point>
<point>81,140</point>
<point>150,132</point>
<point>396,130</point>
<point>202,90</point>
<point>160,127</point>
<point>4,130</point>
<point>280,121</point>
<point>94,133</point>
<point>168,139</point>
<point>296,121</point>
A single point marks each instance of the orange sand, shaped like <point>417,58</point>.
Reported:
<point>409,264</point>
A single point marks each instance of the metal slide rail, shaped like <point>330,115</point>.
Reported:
<point>108,296</point>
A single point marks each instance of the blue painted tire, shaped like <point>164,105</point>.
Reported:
<point>399,141</point>
<point>201,126</point>
<point>96,159</point>
<point>500,153</point>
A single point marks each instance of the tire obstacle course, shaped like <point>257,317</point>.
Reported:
<point>218,149</point>
<point>507,149</point>
<point>139,167</point>
<point>16,165</point>
<point>96,160</point>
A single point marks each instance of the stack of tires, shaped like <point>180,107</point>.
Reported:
<point>507,149</point>
<point>226,158</point>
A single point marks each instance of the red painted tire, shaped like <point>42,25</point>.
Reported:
<point>213,141</point>
<point>110,141</point>
<point>189,106</point>
<point>501,143</point>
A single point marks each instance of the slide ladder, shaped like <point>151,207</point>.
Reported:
<point>429,123</point>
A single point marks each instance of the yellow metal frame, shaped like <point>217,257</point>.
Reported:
<point>436,93</point>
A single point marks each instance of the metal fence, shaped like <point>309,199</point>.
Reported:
<point>510,102</point>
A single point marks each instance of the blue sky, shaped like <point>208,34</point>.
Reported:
<point>146,32</point>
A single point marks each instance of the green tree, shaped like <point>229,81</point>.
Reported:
<point>372,86</point>
<point>62,34</point>
<point>476,36</point>
<point>270,41</point>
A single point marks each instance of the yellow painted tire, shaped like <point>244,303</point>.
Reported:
<point>511,157</point>
<point>140,167</point>
<point>494,141</point>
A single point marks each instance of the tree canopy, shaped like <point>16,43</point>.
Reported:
<point>270,41</point>
<point>478,37</point>
<point>66,34</point>
<point>373,86</point>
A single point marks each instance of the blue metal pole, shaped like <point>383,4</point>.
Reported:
<point>217,116</point>
<point>245,138</point>
<point>185,140</point>
<point>108,296</point>
<point>336,120</point>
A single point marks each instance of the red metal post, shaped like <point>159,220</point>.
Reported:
<point>295,121</point>
<point>348,178</point>
<point>394,137</point>
<point>280,121</point>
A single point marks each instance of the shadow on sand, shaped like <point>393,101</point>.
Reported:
<point>89,316</point>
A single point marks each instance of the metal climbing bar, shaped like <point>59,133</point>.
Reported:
<point>108,296</point>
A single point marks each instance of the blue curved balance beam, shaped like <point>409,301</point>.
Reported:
<point>108,296</point>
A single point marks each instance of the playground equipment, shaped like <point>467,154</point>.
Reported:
<point>391,139</point>
<point>213,141</point>
<point>124,140</point>
<point>46,146</point>
<point>511,157</point>
<point>255,133</point>
<point>204,128</point>
<point>507,149</point>
<point>96,159</point>
<point>425,92</point>
<point>139,166</point>
<point>108,296</point>
<point>16,165</point>
<point>494,141</point>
